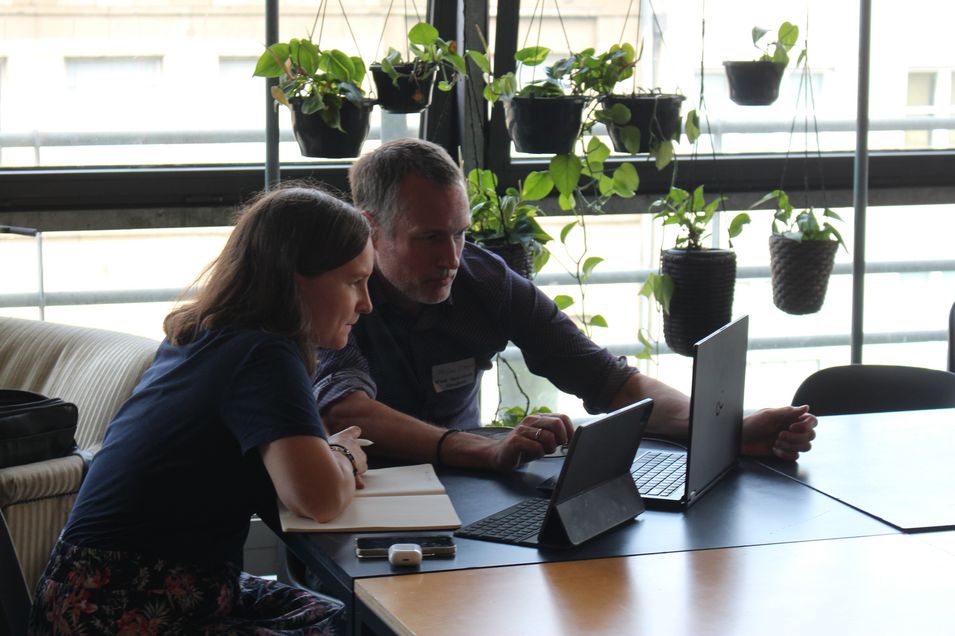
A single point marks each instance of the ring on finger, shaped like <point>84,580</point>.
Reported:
<point>537,435</point>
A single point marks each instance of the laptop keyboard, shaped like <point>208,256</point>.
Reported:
<point>511,525</point>
<point>659,473</point>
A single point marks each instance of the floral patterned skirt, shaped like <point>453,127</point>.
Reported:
<point>91,591</point>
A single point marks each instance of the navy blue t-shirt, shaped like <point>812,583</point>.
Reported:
<point>180,472</point>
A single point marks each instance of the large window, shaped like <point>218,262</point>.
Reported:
<point>98,87</point>
<point>141,84</point>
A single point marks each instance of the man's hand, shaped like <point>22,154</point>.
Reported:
<point>784,432</point>
<point>536,436</point>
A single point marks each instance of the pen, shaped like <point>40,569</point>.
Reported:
<point>364,442</point>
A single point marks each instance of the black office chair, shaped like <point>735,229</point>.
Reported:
<point>14,595</point>
<point>871,388</point>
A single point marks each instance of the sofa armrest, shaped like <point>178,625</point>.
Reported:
<point>39,480</point>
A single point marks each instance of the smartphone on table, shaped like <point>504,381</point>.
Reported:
<point>431,546</point>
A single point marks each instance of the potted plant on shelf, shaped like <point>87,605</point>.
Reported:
<point>801,255</point>
<point>756,82</point>
<point>506,224</point>
<point>696,285</point>
<point>330,115</point>
<point>405,87</point>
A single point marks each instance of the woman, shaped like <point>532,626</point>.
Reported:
<point>221,424</point>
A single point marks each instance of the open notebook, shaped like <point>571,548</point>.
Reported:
<point>398,498</point>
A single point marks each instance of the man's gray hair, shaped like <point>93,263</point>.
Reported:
<point>376,178</point>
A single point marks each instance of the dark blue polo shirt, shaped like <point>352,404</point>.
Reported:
<point>429,365</point>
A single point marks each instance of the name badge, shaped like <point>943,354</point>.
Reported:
<point>452,375</point>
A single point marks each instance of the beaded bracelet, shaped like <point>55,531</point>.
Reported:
<point>347,453</point>
<point>437,450</point>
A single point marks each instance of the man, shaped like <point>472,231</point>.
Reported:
<point>443,308</point>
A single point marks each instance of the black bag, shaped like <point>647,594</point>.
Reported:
<point>34,427</point>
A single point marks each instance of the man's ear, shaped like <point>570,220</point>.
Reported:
<point>375,228</point>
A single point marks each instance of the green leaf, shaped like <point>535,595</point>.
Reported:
<point>564,231</point>
<point>337,64</point>
<point>692,126</point>
<point>598,321</point>
<point>788,35</point>
<point>457,62</point>
<point>658,287</point>
<point>664,292</point>
<point>605,185</point>
<point>272,62</point>
<point>758,34</point>
<point>590,264</point>
<point>618,114</point>
<point>536,186</point>
<point>647,352</point>
<point>567,201</point>
<point>630,135</point>
<point>565,171</point>
<point>663,154</point>
<point>626,180</point>
<point>736,225</point>
<point>532,55</point>
<point>597,153</point>
<point>422,34</point>
<point>480,59</point>
<point>563,301</point>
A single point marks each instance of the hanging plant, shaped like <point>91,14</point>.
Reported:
<point>696,285</point>
<point>330,115</point>
<point>545,115</point>
<point>506,224</point>
<point>802,252</point>
<point>756,82</point>
<point>405,87</point>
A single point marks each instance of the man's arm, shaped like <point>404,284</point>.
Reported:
<point>784,432</point>
<point>398,435</point>
<point>671,408</point>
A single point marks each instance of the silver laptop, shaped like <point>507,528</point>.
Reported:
<point>677,479</point>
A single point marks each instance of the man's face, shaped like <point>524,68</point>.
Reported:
<point>421,255</point>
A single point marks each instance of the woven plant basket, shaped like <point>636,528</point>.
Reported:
<point>800,273</point>
<point>517,257</point>
<point>703,286</point>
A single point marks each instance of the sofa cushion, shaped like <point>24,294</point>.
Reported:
<point>94,369</point>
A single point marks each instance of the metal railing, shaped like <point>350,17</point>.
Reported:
<point>636,277</point>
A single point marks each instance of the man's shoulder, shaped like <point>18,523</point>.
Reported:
<point>482,266</point>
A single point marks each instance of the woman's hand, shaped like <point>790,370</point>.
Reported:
<point>349,439</point>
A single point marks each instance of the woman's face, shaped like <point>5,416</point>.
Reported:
<point>336,298</point>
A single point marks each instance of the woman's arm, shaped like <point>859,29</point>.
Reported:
<point>311,479</point>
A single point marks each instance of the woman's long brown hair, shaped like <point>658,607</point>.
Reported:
<point>296,229</point>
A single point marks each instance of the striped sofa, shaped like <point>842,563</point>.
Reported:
<point>96,370</point>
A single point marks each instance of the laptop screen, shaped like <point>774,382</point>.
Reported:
<point>716,408</point>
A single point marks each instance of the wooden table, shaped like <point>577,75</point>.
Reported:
<point>892,584</point>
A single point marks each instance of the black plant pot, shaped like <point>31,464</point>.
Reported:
<point>411,95</point>
<point>703,286</point>
<point>317,139</point>
<point>800,273</point>
<point>754,83</point>
<point>657,116</point>
<point>544,125</point>
<point>518,258</point>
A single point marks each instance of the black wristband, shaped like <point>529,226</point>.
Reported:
<point>437,450</point>
<point>347,453</point>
